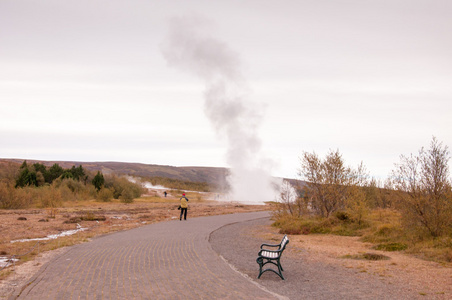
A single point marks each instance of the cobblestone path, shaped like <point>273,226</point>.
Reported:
<point>168,260</point>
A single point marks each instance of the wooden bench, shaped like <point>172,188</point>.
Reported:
<point>272,256</point>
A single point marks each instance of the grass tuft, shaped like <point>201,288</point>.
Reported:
<point>391,247</point>
<point>366,256</point>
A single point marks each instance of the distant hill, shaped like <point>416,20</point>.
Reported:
<point>195,174</point>
<point>210,175</point>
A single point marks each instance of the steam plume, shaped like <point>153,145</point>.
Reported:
<point>234,117</point>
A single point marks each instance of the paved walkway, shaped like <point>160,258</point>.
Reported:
<point>168,260</point>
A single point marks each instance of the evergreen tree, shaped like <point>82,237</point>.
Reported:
<point>98,181</point>
<point>67,174</point>
<point>26,177</point>
<point>78,173</point>
<point>54,172</point>
<point>24,165</point>
<point>40,168</point>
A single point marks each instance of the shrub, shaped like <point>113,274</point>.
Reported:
<point>76,187</point>
<point>290,230</point>
<point>444,242</point>
<point>293,225</point>
<point>331,185</point>
<point>289,224</point>
<point>6,197</point>
<point>66,193</point>
<point>104,195</point>
<point>425,191</point>
<point>342,215</point>
<point>50,196</point>
<point>127,195</point>
<point>12,198</point>
<point>123,189</point>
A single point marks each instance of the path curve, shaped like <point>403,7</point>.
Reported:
<point>168,260</point>
<point>306,277</point>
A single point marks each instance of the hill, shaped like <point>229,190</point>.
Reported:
<point>210,175</point>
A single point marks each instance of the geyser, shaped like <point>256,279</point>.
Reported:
<point>234,117</point>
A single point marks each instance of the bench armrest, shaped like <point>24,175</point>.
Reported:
<point>270,245</point>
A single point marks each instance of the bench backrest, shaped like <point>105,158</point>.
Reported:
<point>284,242</point>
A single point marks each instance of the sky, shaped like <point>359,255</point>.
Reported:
<point>88,80</point>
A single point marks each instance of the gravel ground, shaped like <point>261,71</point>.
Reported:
<point>306,278</point>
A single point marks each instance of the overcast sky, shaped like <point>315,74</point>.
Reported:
<point>87,80</point>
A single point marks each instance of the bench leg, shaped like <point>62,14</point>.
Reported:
<point>260,261</point>
<point>277,273</point>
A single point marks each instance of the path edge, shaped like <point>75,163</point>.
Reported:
<point>234,268</point>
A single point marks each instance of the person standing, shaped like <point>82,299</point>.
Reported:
<point>183,207</point>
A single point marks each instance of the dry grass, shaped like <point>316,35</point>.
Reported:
<point>431,278</point>
<point>382,227</point>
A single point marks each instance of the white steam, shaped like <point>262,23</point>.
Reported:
<point>234,117</point>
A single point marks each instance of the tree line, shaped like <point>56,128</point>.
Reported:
<point>37,185</point>
<point>37,174</point>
